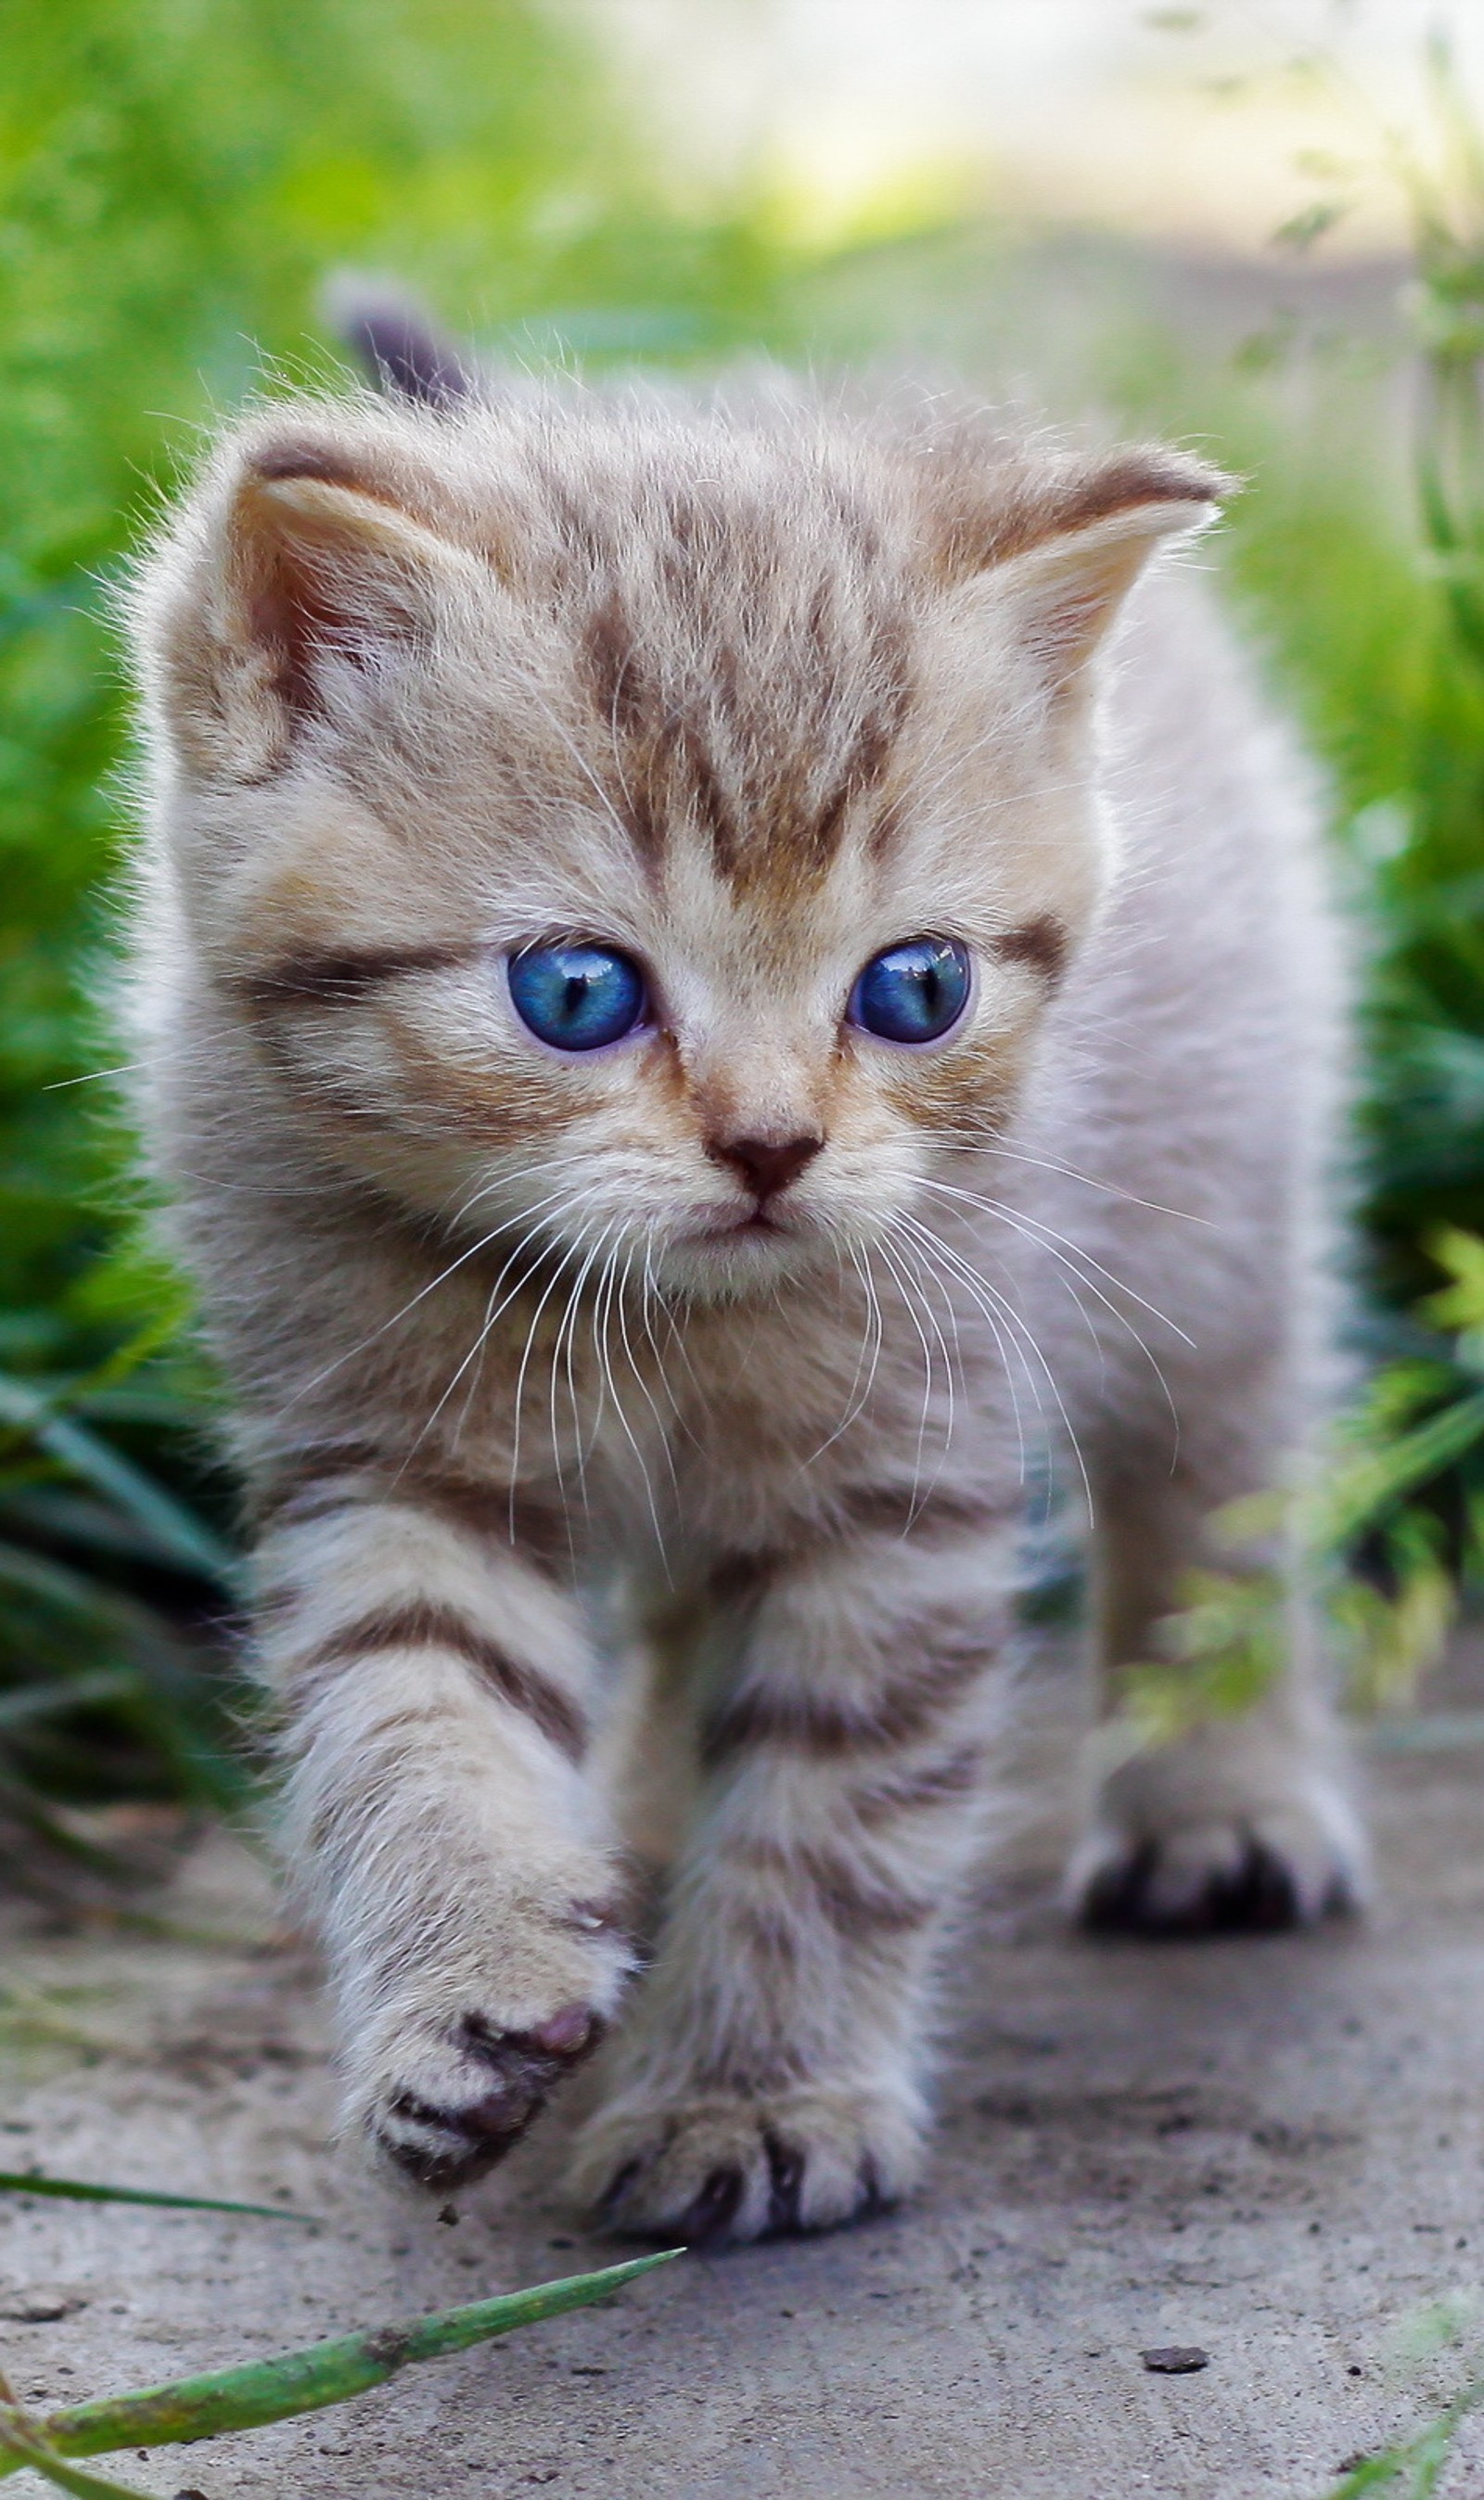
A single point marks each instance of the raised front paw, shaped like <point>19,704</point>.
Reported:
<point>453,2098</point>
<point>448,2060</point>
<point>1276,1865</point>
<point>716,2169</point>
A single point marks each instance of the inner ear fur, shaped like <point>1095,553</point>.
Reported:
<point>1061,552</point>
<point>300,549</point>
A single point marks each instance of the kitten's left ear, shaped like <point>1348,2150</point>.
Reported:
<point>1061,555</point>
<point>317,542</point>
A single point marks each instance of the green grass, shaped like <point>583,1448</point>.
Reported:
<point>177,176</point>
<point>285,2387</point>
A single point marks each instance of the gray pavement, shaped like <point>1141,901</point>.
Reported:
<point>1274,2149</point>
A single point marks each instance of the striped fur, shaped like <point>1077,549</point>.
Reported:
<point>586,1509</point>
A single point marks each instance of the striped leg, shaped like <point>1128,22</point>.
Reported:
<point>431,1685</point>
<point>1247,1821</point>
<point>772,2076</point>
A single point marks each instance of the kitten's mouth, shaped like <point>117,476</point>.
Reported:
<point>745,1227</point>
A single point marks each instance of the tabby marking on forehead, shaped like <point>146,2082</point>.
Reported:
<point>783,715</point>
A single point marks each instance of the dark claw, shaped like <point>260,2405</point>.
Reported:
<point>618,2185</point>
<point>785,2179</point>
<point>1263,1895</point>
<point>1257,1899</point>
<point>502,2115</point>
<point>873,2198</point>
<point>708,2217</point>
<point>1114,1900</point>
<point>524,2068</point>
<point>482,2135</point>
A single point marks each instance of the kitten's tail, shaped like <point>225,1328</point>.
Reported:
<point>402,351</point>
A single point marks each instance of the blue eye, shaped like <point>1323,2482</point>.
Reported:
<point>912,992</point>
<point>576,997</point>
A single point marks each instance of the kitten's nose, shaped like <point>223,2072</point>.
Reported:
<point>767,1164</point>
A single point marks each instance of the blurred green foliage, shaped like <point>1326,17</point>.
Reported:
<point>177,178</point>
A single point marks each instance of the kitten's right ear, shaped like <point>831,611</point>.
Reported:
<point>1058,548</point>
<point>300,557</point>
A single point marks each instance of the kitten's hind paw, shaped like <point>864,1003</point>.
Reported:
<point>453,2101</point>
<point>1280,1867</point>
<point>716,2171</point>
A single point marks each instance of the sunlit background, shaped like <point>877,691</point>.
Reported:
<point>1215,123</point>
<point>1256,227</point>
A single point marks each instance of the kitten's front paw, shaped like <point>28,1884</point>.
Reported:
<point>1279,1864</point>
<point>446,2064</point>
<point>452,2098</point>
<point>716,2170</point>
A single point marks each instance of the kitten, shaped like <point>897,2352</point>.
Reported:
<point>694,1027</point>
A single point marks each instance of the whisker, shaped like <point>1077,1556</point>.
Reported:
<point>604,1302</point>
<point>979,1286</point>
<point>904,1286</point>
<point>566,1334</point>
<point>494,1309</point>
<point>871,1335</point>
<point>895,1272</point>
<point>650,1297</point>
<point>492,1315</point>
<point>486,1241</point>
<point>1043,1239</point>
<point>94,1076</point>
<point>910,1251</point>
<point>518,1407</point>
<point>644,1389</point>
<point>929,1247</point>
<point>1031,1228</point>
<point>970,1141</point>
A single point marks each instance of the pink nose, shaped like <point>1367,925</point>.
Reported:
<point>767,1166</point>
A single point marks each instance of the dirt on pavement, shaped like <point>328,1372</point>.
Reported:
<point>1272,2150</point>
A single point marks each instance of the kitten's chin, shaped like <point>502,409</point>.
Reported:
<point>729,1262</point>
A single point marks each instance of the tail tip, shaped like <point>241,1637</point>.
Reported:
<point>402,351</point>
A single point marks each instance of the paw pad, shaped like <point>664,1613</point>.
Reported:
<point>505,2076</point>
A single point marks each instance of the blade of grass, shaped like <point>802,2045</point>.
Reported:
<point>37,2460</point>
<point>181,1537</point>
<point>1373,2474</point>
<point>168,1696</point>
<point>88,2193</point>
<point>1376,1479</point>
<point>75,1692</point>
<point>21,2439</point>
<point>30,2012</point>
<point>322,2373</point>
<point>1416,2464</point>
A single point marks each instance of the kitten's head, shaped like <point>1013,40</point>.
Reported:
<point>659,828</point>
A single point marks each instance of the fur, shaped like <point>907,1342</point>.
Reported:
<point>750,691</point>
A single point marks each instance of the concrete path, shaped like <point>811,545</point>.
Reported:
<point>1272,2150</point>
